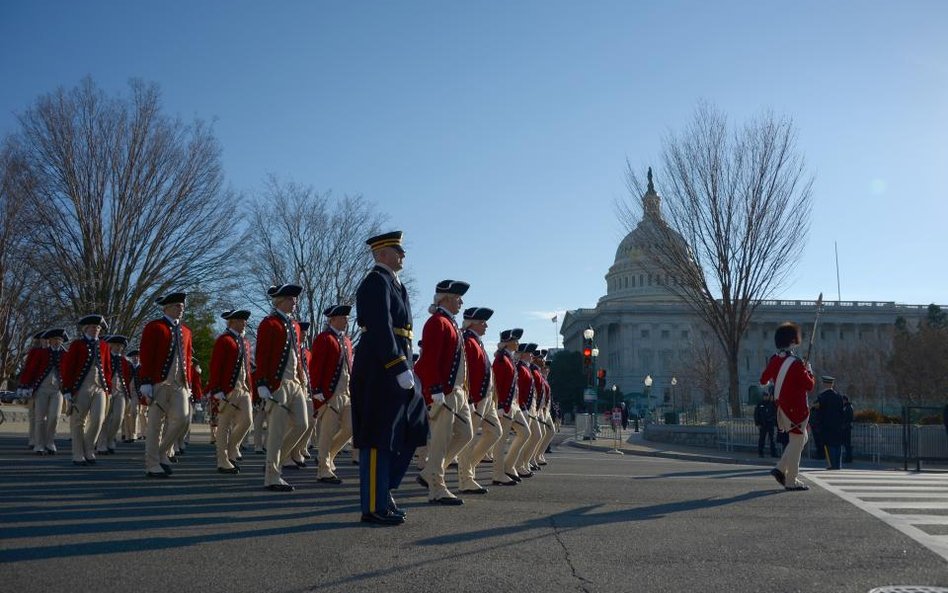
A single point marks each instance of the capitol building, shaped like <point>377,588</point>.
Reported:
<point>644,330</point>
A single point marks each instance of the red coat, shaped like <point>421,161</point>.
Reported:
<point>197,391</point>
<point>126,374</point>
<point>225,366</point>
<point>325,365</point>
<point>538,382</point>
<point>505,383</point>
<point>77,363</point>
<point>39,363</point>
<point>526,388</point>
<point>156,348</point>
<point>478,367</point>
<point>796,384</point>
<point>273,344</point>
<point>441,352</point>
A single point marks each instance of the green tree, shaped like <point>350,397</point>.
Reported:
<point>936,317</point>
<point>567,380</point>
<point>200,316</point>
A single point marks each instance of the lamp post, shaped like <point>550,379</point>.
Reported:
<point>589,394</point>
<point>616,423</point>
<point>648,393</point>
<point>674,382</point>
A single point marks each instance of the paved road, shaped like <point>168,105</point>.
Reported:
<point>589,522</point>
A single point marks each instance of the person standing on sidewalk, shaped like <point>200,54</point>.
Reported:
<point>765,417</point>
<point>793,379</point>
<point>848,417</point>
<point>832,419</point>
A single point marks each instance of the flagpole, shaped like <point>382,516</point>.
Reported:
<point>556,330</point>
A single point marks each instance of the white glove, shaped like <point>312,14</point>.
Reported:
<point>147,391</point>
<point>219,395</point>
<point>264,392</point>
<point>809,368</point>
<point>318,396</point>
<point>67,397</point>
<point>437,398</point>
<point>406,380</point>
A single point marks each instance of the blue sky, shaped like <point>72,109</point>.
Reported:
<point>495,134</point>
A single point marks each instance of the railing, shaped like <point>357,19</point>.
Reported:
<point>873,442</point>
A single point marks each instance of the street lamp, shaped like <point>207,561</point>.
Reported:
<point>616,423</point>
<point>648,393</point>
<point>589,395</point>
<point>674,382</point>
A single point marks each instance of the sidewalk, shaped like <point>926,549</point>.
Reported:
<point>635,444</point>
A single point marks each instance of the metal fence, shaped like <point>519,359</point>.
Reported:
<point>873,442</point>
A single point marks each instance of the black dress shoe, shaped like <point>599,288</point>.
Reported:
<point>422,481</point>
<point>40,452</point>
<point>450,501</point>
<point>83,462</point>
<point>300,464</point>
<point>480,490</point>
<point>240,457</point>
<point>330,480</point>
<point>355,462</point>
<point>166,468</point>
<point>513,477</point>
<point>228,470</point>
<point>50,451</point>
<point>393,507</point>
<point>181,452</point>
<point>544,462</point>
<point>280,487</point>
<point>91,461</point>
<point>234,463</point>
<point>156,475</point>
<point>797,487</point>
<point>778,475</point>
<point>526,475</point>
<point>173,459</point>
<point>509,483</point>
<point>380,519</point>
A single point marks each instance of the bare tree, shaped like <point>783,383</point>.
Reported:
<point>917,362</point>
<point>130,201</point>
<point>313,239</point>
<point>861,371</point>
<point>704,366</point>
<point>736,216</point>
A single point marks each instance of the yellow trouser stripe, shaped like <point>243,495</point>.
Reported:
<point>373,470</point>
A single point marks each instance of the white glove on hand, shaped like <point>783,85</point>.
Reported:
<point>809,368</point>
<point>437,398</point>
<point>67,397</point>
<point>147,391</point>
<point>318,396</point>
<point>219,395</point>
<point>264,392</point>
<point>406,380</point>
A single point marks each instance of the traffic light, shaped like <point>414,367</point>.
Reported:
<point>587,356</point>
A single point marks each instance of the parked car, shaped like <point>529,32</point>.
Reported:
<point>8,397</point>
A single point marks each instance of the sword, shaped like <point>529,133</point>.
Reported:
<point>515,420</point>
<point>481,416</point>
<point>816,321</point>
<point>458,416</point>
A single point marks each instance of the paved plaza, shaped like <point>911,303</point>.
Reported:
<point>590,521</point>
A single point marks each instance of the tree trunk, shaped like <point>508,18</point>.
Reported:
<point>733,386</point>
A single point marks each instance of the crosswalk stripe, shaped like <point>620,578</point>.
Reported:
<point>883,494</point>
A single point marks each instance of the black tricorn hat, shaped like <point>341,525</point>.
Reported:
<point>117,339</point>
<point>134,352</point>
<point>236,314</point>
<point>478,313</point>
<point>511,334</point>
<point>452,287</point>
<point>337,310</point>
<point>528,348</point>
<point>39,335</point>
<point>392,239</point>
<point>172,299</point>
<point>304,326</point>
<point>93,320</point>
<point>55,333</point>
<point>284,290</point>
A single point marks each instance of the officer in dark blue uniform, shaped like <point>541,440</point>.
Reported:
<point>389,418</point>
<point>830,406</point>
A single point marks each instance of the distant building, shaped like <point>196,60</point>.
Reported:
<point>643,329</point>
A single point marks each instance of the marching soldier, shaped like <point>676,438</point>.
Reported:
<point>31,367</point>
<point>87,376</point>
<point>229,387</point>
<point>542,393</point>
<point>330,369</point>
<point>164,377</point>
<point>547,416</point>
<point>505,382</point>
<point>388,416</point>
<point>442,370</point>
<point>281,383</point>
<point>133,409</point>
<point>526,391</point>
<point>302,452</point>
<point>41,381</point>
<point>121,390</point>
<point>482,399</point>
